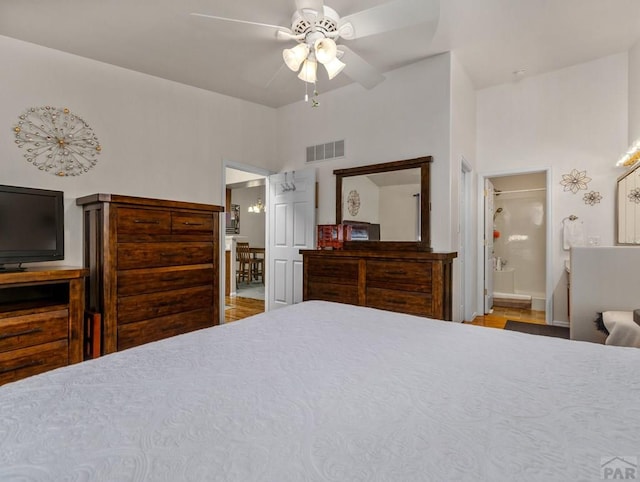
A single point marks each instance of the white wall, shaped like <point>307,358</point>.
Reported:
<point>399,212</point>
<point>252,225</point>
<point>634,94</point>
<point>406,116</point>
<point>463,146</point>
<point>574,118</point>
<point>160,138</point>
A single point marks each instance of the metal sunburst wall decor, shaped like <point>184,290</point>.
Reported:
<point>57,141</point>
<point>634,195</point>
<point>592,198</point>
<point>575,181</point>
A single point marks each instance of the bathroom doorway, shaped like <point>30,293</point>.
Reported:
<point>516,241</point>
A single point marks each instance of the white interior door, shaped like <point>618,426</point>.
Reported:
<point>292,223</point>
<point>488,245</point>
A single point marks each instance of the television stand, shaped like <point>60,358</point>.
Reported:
<point>11,269</point>
<point>41,320</point>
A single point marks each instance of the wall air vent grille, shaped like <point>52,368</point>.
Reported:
<point>322,152</point>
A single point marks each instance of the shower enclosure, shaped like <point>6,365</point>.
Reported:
<point>519,244</point>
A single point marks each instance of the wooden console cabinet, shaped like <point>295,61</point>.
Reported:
<point>154,267</point>
<point>417,283</point>
<point>41,317</point>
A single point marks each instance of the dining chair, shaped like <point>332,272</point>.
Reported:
<point>245,265</point>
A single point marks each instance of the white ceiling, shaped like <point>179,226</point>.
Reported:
<point>492,38</point>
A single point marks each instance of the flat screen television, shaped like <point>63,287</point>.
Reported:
<point>31,226</point>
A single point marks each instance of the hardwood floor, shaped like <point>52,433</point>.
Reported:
<point>237,308</point>
<point>500,315</point>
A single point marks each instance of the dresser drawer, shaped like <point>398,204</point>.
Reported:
<point>340,293</point>
<point>133,334</point>
<point>34,329</point>
<point>143,221</point>
<point>148,255</point>
<point>343,270</point>
<point>17,364</point>
<point>163,303</point>
<point>191,223</point>
<point>400,301</point>
<point>134,282</point>
<point>405,275</point>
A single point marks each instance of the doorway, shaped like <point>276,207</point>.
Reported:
<point>515,242</point>
<point>246,194</point>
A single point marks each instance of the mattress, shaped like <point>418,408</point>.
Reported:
<point>328,392</point>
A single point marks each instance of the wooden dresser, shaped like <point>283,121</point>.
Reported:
<point>417,283</point>
<point>40,320</point>
<point>154,267</point>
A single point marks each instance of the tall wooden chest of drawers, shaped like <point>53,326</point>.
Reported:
<point>154,267</point>
<point>417,283</point>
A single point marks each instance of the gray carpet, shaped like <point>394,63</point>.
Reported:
<point>535,329</point>
<point>255,290</point>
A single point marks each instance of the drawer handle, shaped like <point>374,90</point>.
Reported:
<point>331,293</point>
<point>146,221</point>
<point>187,223</point>
<point>32,364</point>
<point>20,333</point>
<point>397,302</point>
<point>399,273</point>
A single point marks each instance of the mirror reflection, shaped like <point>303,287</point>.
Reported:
<point>388,202</point>
<point>628,208</point>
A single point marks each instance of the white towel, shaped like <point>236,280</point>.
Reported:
<point>572,234</point>
<point>622,329</point>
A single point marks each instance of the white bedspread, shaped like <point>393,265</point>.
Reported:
<point>328,392</point>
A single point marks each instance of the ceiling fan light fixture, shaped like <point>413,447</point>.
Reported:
<point>334,67</point>
<point>294,56</point>
<point>308,71</point>
<point>325,49</point>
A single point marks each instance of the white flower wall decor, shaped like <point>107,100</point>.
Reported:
<point>592,198</point>
<point>575,181</point>
<point>634,195</point>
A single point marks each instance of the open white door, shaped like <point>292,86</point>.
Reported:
<point>488,245</point>
<point>292,223</point>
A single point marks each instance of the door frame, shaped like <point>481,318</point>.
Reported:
<point>465,255</point>
<point>223,177</point>
<point>488,244</point>
<point>549,236</point>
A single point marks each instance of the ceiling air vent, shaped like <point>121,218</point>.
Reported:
<point>322,152</point>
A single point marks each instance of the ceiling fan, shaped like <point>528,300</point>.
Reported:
<point>317,27</point>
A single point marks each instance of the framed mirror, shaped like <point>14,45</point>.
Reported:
<point>628,208</point>
<point>387,204</point>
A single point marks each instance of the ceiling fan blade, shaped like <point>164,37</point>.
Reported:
<point>390,16</point>
<point>359,70</point>
<point>316,5</point>
<point>312,10</point>
<point>275,76</point>
<point>282,33</point>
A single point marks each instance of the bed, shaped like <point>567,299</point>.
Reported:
<point>322,391</point>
